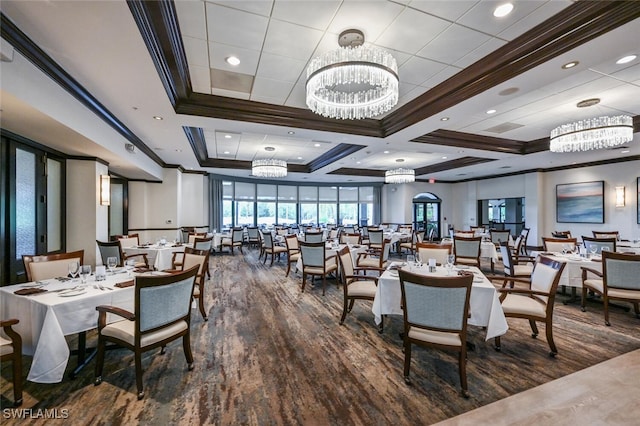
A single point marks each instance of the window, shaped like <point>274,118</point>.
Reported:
<point>309,213</point>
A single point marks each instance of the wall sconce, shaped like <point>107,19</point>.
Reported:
<point>619,196</point>
<point>105,190</point>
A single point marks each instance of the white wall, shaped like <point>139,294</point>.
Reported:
<point>397,201</point>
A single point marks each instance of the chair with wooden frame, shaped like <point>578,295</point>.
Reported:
<point>561,234</point>
<point>436,251</point>
<point>375,258</point>
<point>467,250</point>
<point>465,234</point>
<point>293,250</point>
<point>314,236</point>
<point>271,248</point>
<point>162,314</point>
<point>236,240</point>
<point>355,286</point>
<point>557,245</point>
<point>353,238</point>
<point>436,310</point>
<point>497,236</point>
<point>618,281</point>
<point>193,235</point>
<point>376,237</point>
<point>606,234</point>
<point>524,235</point>
<point>608,243</point>
<point>316,262</point>
<point>114,249</point>
<point>127,241</point>
<point>411,244</point>
<point>536,302</point>
<point>515,266</point>
<point>47,266</point>
<point>11,350</point>
<point>191,257</point>
<point>253,236</point>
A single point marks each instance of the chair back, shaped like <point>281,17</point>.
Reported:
<point>561,234</point>
<point>405,229</point>
<point>517,244</point>
<point>386,251</point>
<point>203,243</point>
<point>161,300</point>
<point>556,245</point>
<point>350,238</point>
<point>346,266</point>
<point>376,236</point>
<point>127,241</point>
<point>524,234</point>
<point>621,271</point>
<point>606,234</point>
<point>599,243</point>
<point>49,266</point>
<point>193,257</point>
<point>333,233</point>
<point>292,243</point>
<point>499,236</point>
<point>237,235</point>
<point>110,249</point>
<point>312,254</point>
<point>314,237</point>
<point>364,231</point>
<point>194,235</point>
<point>252,233</point>
<point>439,252</point>
<point>268,240</point>
<point>507,257</point>
<point>282,232</point>
<point>465,234</point>
<point>435,303</point>
<point>545,277</point>
<point>467,247</point>
<point>349,229</point>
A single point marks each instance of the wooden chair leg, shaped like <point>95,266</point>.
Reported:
<point>552,345</point>
<point>534,329</point>
<point>407,360</point>
<point>186,347</point>
<point>99,361</point>
<point>496,344</point>
<point>17,377</point>
<point>462,366</point>
<point>138,362</point>
<point>605,301</point>
<point>201,307</point>
<point>344,311</point>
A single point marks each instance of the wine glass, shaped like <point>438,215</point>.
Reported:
<point>451,258</point>
<point>74,269</point>
<point>130,265</point>
<point>410,259</point>
<point>112,261</point>
<point>593,249</point>
<point>418,260</point>
<point>85,270</point>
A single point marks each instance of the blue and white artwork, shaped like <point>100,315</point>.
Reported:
<point>638,198</point>
<point>580,202</point>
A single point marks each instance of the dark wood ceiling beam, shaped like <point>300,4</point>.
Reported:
<point>452,164</point>
<point>350,171</point>
<point>337,153</point>
<point>470,141</point>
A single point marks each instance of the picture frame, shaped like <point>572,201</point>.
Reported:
<point>580,202</point>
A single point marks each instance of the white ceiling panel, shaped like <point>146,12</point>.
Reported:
<point>370,17</point>
<point>411,30</point>
<point>200,79</point>
<point>191,15</point>
<point>260,7</point>
<point>453,44</point>
<point>282,68</point>
<point>291,40</point>
<point>218,53</point>
<point>451,10</point>
<point>542,13</point>
<point>274,89</point>
<point>480,52</point>
<point>416,70</point>
<point>236,28</point>
<point>312,14</point>
<point>197,51</point>
<point>480,16</point>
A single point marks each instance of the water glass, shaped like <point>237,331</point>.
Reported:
<point>74,269</point>
<point>112,261</point>
<point>410,259</point>
<point>85,271</point>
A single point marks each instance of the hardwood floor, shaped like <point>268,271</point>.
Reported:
<point>271,355</point>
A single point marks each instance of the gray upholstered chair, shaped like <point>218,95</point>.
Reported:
<point>49,266</point>
<point>114,249</point>
<point>435,314</point>
<point>355,286</point>
<point>253,236</point>
<point>236,240</point>
<point>557,245</point>
<point>376,258</point>
<point>376,237</point>
<point>293,250</point>
<point>314,236</point>
<point>162,314</point>
<point>439,252</point>
<point>619,280</point>
<point>11,349</point>
<point>188,259</point>
<point>599,244</point>
<point>270,248</point>
<point>316,262</point>
<point>536,302</point>
<point>467,250</point>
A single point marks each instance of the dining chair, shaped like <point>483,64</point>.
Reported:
<point>536,301</point>
<point>375,258</point>
<point>411,244</point>
<point>114,249</point>
<point>515,266</point>
<point>193,235</point>
<point>353,238</point>
<point>435,315</point>
<point>606,234</point>
<point>436,251</point>
<point>355,286</point>
<point>561,234</point>
<point>557,245</point>
<point>236,240</point>
<point>127,241</point>
<point>149,327</point>
<point>11,350</point>
<point>293,251</point>
<point>314,236</point>
<point>253,236</point>
<point>316,262</point>
<point>47,266</point>
<point>364,235</point>
<point>467,250</point>
<point>349,229</point>
<point>524,235</point>
<point>498,236</point>
<point>617,281</point>
<point>465,234</point>
<point>192,257</point>
<point>376,237</point>
<point>606,243</point>
<point>270,248</point>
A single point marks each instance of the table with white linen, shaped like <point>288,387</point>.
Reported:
<point>46,318</point>
<point>487,249</point>
<point>354,250</point>
<point>484,305</point>
<point>217,239</point>
<point>628,247</point>
<point>159,256</point>
<point>572,273</point>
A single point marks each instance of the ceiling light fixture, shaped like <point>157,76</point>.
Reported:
<point>269,168</point>
<point>232,60</point>
<point>569,65</point>
<point>444,119</point>
<point>626,59</point>
<point>399,176</point>
<point>592,133</point>
<point>503,10</point>
<point>157,117</point>
<point>352,82</point>
<point>491,111</point>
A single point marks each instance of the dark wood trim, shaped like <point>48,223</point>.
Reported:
<point>471,141</point>
<point>539,145</point>
<point>82,158</point>
<point>195,136</point>
<point>452,164</point>
<point>23,44</point>
<point>351,171</point>
<point>337,153</point>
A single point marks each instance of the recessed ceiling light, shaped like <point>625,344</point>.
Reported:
<point>226,152</point>
<point>269,148</point>
<point>291,132</point>
<point>299,158</point>
<point>569,65</point>
<point>626,151</point>
<point>227,136</point>
<point>444,119</point>
<point>232,60</point>
<point>157,117</point>
<point>491,111</point>
<point>503,10</point>
<point>626,59</point>
<point>178,150</point>
<point>400,160</point>
<point>358,162</point>
<point>385,152</point>
<point>444,158</point>
<point>316,145</point>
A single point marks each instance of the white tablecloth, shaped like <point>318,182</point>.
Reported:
<point>572,273</point>
<point>355,252</point>
<point>628,246</point>
<point>45,320</point>
<point>158,256</point>
<point>485,307</point>
<point>487,249</point>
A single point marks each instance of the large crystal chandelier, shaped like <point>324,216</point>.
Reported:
<point>352,82</point>
<point>593,133</point>
<point>400,176</point>
<point>269,168</point>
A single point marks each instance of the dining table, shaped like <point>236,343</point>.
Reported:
<point>628,246</point>
<point>354,249</point>
<point>484,304</point>
<point>61,307</point>
<point>572,274</point>
<point>160,256</point>
<point>487,249</point>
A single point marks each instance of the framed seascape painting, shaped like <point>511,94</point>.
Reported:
<point>638,198</point>
<point>580,202</point>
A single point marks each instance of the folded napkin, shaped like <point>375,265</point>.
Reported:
<point>596,260</point>
<point>177,245</point>
<point>124,284</point>
<point>28,291</point>
<point>394,267</point>
<point>141,270</point>
<point>462,273</point>
<point>546,254</point>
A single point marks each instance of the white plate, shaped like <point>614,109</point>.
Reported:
<point>73,293</point>
<point>477,279</point>
<point>393,273</point>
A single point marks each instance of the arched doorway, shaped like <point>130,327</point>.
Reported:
<point>426,213</point>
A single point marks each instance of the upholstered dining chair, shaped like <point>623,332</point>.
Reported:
<point>253,236</point>
<point>11,350</point>
<point>524,235</point>
<point>376,237</point>
<point>128,241</point>
<point>467,250</point>
<point>465,234</point>
<point>435,315</point>
<point>236,240</point>
<point>149,326</point>
<point>193,235</point>
<point>416,237</point>
<point>599,243</point>
<point>606,234</point>
<point>353,238</point>
<point>498,236</point>
<point>314,236</point>
<point>556,245</point>
<point>436,251</point>
<point>316,262</point>
<point>375,258</point>
<point>270,248</point>
<point>536,302</point>
<point>189,258</point>
<point>619,280</point>
<point>114,249</point>
<point>515,266</point>
<point>355,286</point>
<point>293,250</point>
<point>44,267</point>
<point>561,234</point>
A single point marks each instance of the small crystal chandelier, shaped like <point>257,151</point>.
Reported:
<point>352,82</point>
<point>593,133</point>
<point>400,176</point>
<point>269,168</point>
